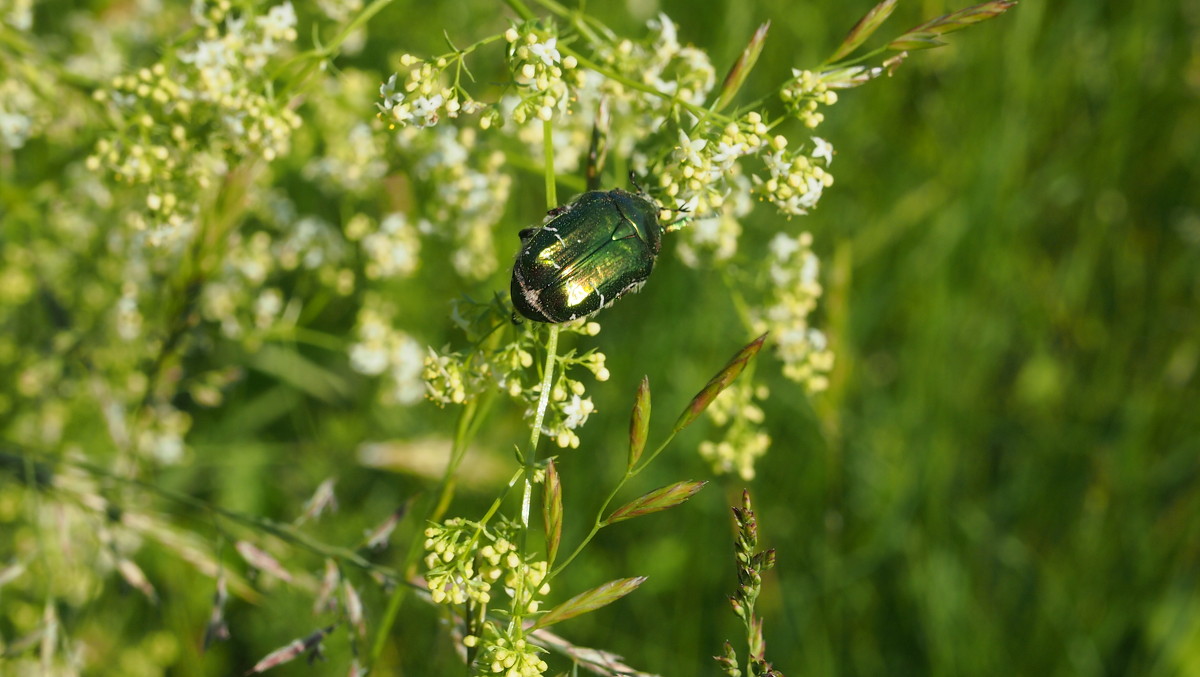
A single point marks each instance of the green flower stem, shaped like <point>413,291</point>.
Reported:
<point>530,455</point>
<point>580,21</point>
<point>598,523</point>
<point>548,164</point>
<point>310,337</point>
<point>517,161</point>
<point>467,426</point>
<point>520,8</point>
<point>313,58</point>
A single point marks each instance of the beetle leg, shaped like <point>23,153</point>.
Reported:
<point>556,212</point>
<point>526,233</point>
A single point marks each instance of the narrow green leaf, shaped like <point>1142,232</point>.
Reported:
<point>720,382</point>
<point>639,422</point>
<point>913,43</point>
<point>740,70</point>
<point>598,150</point>
<point>552,511</point>
<point>305,375</point>
<point>863,29</point>
<point>926,35</point>
<point>589,601</point>
<point>656,501</point>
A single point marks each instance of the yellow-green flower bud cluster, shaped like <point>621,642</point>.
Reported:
<point>449,379</point>
<point>455,378</point>
<point>460,569</point>
<point>569,405</point>
<point>804,94</point>
<point>506,654</point>
<point>450,562</point>
<point>543,76</point>
<point>796,180</point>
<point>743,441</point>
<point>700,169</point>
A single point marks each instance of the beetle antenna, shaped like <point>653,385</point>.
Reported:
<point>634,181</point>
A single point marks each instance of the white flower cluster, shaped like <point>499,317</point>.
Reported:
<point>714,239</point>
<point>392,249</point>
<point>792,295</point>
<point>682,72</point>
<point>18,112</point>
<point>238,297</point>
<point>161,436</point>
<point>383,349</point>
<point>186,119</point>
<point>455,378</point>
<point>421,100</point>
<point>544,78</point>
<point>467,184</point>
<point>352,154</point>
<point>699,172</point>
<point>796,180</point>
<point>18,14</point>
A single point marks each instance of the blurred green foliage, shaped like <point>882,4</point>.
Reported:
<point>1003,478</point>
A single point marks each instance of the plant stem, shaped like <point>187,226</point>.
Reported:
<point>464,432</point>
<point>530,455</point>
<point>596,525</point>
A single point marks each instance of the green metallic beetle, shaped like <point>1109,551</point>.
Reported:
<point>588,254</point>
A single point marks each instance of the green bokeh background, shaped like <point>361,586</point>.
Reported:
<point>1003,478</point>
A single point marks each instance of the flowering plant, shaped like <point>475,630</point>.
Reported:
<point>211,232</point>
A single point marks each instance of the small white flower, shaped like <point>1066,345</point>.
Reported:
<point>279,23</point>
<point>425,108</point>
<point>577,411</point>
<point>817,339</point>
<point>823,149</point>
<point>809,269</point>
<point>813,194</point>
<point>668,38</point>
<point>690,150</point>
<point>368,358</point>
<point>546,51</point>
<point>782,247</point>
